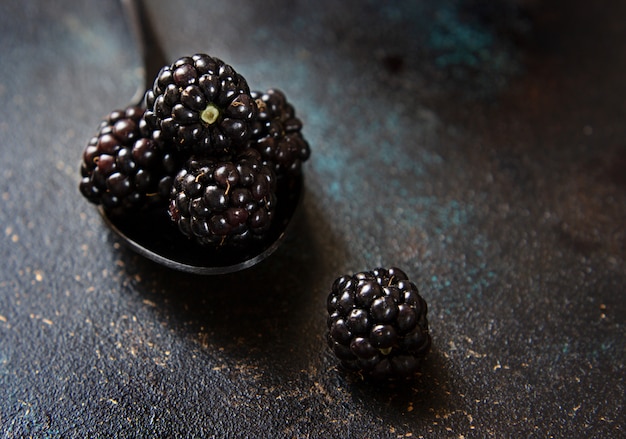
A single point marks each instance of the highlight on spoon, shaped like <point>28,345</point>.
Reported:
<point>149,47</point>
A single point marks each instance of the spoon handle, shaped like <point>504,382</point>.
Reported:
<point>150,48</point>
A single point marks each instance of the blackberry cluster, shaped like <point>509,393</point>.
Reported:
<point>218,202</point>
<point>121,168</point>
<point>201,105</point>
<point>277,132</point>
<point>377,323</point>
<point>201,150</point>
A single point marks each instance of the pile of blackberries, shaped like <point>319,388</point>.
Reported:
<point>203,147</point>
<point>212,154</point>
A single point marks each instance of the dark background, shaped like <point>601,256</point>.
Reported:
<point>478,145</point>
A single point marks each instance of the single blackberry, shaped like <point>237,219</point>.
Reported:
<point>224,203</point>
<point>277,133</point>
<point>122,169</point>
<point>201,106</point>
<point>377,323</point>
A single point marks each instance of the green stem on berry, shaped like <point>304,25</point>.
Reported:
<point>210,114</point>
<point>385,351</point>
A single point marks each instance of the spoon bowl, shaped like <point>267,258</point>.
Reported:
<point>152,234</point>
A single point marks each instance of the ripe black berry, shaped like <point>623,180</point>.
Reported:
<point>377,323</point>
<point>222,202</point>
<point>202,106</point>
<point>277,133</point>
<point>121,168</point>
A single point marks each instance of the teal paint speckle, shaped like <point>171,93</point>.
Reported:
<point>471,49</point>
<point>334,188</point>
<point>459,43</point>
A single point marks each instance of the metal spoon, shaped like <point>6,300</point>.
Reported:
<point>151,233</point>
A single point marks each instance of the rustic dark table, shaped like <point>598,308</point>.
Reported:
<point>480,146</point>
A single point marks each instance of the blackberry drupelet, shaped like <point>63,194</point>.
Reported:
<point>201,106</point>
<point>277,133</point>
<point>223,202</point>
<point>377,323</point>
<point>121,168</point>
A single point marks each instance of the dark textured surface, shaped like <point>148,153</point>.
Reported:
<point>480,146</point>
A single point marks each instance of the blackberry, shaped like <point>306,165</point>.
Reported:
<point>377,323</point>
<point>121,168</point>
<point>277,133</point>
<point>224,203</point>
<point>201,105</point>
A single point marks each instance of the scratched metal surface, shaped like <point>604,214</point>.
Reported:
<point>481,148</point>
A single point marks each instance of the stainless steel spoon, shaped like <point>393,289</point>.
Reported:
<point>151,233</point>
